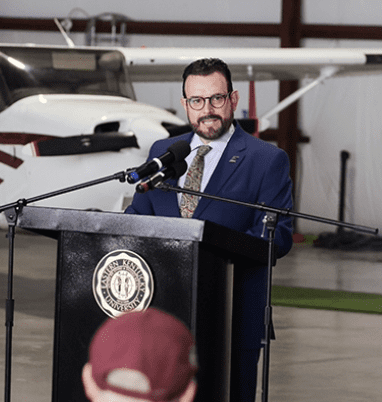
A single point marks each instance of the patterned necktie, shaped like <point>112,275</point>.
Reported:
<point>193,180</point>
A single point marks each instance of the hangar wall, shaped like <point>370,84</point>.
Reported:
<point>342,114</point>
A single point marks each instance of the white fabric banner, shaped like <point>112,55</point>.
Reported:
<point>343,114</point>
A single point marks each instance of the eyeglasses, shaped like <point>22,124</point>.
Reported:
<point>217,101</point>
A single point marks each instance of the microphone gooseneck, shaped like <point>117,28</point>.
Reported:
<point>174,171</point>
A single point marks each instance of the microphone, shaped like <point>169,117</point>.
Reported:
<point>175,153</point>
<point>172,172</point>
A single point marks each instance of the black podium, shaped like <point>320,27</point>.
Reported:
<point>190,274</point>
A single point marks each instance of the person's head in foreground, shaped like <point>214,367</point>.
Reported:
<point>141,356</point>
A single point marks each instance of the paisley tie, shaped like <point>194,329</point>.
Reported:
<point>193,179</point>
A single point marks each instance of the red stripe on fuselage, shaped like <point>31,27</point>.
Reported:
<point>22,138</point>
<point>10,160</point>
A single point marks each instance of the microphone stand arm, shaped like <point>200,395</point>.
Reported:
<point>266,208</point>
<point>270,222</point>
<point>121,176</point>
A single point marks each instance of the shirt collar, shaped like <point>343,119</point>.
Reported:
<point>221,142</point>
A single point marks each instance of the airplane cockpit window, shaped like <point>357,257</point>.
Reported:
<point>27,71</point>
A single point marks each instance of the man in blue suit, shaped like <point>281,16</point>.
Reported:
<point>238,167</point>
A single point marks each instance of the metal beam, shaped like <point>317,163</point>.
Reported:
<point>290,37</point>
<point>369,32</point>
<point>341,31</point>
<point>149,27</point>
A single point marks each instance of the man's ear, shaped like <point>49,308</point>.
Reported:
<point>189,393</point>
<point>90,386</point>
<point>234,99</point>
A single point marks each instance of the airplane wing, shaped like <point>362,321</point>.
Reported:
<point>247,64</point>
<point>167,64</point>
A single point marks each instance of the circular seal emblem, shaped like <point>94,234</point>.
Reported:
<point>122,281</point>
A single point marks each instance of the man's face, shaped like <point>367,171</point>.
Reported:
<point>209,123</point>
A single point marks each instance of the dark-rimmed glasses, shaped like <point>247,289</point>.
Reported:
<point>217,101</point>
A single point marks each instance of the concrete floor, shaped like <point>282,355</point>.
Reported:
<point>318,355</point>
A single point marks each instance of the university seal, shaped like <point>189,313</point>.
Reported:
<point>122,281</point>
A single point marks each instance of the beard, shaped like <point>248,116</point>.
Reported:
<point>212,133</point>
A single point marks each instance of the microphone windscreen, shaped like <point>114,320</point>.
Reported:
<point>180,150</point>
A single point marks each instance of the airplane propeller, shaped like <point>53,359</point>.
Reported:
<point>80,144</point>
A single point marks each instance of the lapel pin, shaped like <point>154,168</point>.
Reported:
<point>234,159</point>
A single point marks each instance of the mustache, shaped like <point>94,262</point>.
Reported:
<point>210,116</point>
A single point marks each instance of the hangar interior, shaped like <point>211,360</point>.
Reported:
<point>321,352</point>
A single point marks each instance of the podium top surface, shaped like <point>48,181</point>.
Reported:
<point>62,219</point>
<point>50,221</point>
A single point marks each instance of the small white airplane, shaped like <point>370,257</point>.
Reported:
<point>69,114</point>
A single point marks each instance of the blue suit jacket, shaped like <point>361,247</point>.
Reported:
<point>250,170</point>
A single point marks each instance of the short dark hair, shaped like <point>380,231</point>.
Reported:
<point>207,67</point>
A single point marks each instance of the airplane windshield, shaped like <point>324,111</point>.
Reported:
<point>27,71</point>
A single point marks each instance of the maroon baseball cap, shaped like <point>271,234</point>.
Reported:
<point>148,354</point>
